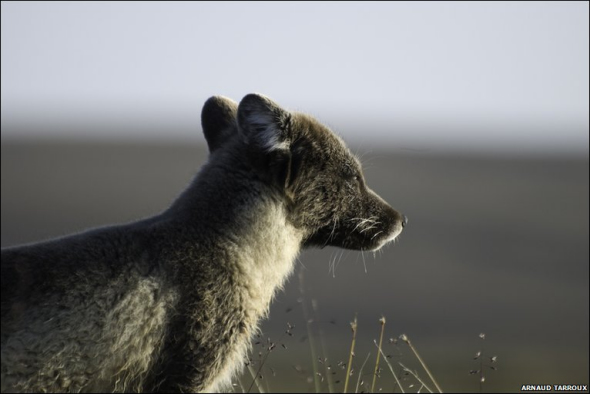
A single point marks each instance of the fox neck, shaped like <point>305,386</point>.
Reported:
<point>266,256</point>
<point>247,221</point>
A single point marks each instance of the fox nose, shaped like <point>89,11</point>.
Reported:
<point>404,220</point>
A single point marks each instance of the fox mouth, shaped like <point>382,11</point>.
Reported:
<point>368,234</point>
<point>372,240</point>
<point>387,238</point>
<point>382,238</point>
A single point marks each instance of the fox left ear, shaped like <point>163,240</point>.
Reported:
<point>218,119</point>
<point>264,123</point>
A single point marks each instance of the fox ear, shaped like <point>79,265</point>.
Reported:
<point>263,123</point>
<point>218,119</point>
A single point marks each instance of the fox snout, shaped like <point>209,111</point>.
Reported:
<point>386,225</point>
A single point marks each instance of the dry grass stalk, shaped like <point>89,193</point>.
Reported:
<point>405,338</point>
<point>382,322</point>
<point>392,371</point>
<point>353,326</point>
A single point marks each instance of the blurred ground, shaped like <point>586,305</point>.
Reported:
<point>494,244</point>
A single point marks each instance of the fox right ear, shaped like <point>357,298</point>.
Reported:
<point>218,119</point>
<point>264,123</point>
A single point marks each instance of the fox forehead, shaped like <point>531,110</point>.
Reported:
<point>328,140</point>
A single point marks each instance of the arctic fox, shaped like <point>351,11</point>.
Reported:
<point>170,303</point>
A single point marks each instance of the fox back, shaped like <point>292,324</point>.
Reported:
<point>170,303</point>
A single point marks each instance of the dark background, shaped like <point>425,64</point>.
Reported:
<point>496,244</point>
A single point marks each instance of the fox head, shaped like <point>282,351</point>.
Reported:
<point>317,177</point>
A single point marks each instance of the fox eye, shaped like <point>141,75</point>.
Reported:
<point>349,176</point>
<point>354,180</point>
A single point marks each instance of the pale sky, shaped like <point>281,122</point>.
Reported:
<point>416,73</point>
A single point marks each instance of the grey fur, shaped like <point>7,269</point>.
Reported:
<point>170,303</point>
